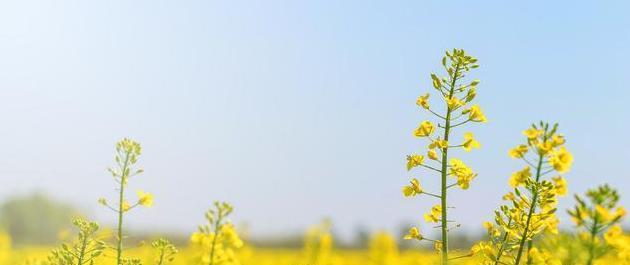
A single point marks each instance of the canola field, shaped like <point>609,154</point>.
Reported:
<point>522,230</point>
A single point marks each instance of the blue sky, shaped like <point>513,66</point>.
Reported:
<point>296,110</point>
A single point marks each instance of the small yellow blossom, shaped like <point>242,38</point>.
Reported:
<point>561,160</point>
<point>423,101</point>
<point>475,114</point>
<point>439,143</point>
<point>560,185</point>
<point>463,173</point>
<point>126,206</point>
<point>414,233</point>
<point>432,154</point>
<point>620,212</point>
<point>519,177</point>
<point>412,189</point>
<point>519,151</point>
<point>434,215</point>
<point>545,147</point>
<point>145,199</point>
<point>437,246</point>
<point>470,142</point>
<point>482,247</point>
<point>557,140</point>
<point>414,161</point>
<point>532,133</point>
<point>509,196</point>
<point>425,129</point>
<point>454,103</point>
<point>613,234</point>
<point>603,214</point>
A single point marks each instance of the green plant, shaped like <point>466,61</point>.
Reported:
<point>166,251</point>
<point>126,157</point>
<point>84,250</point>
<point>456,95</point>
<point>593,217</point>
<point>531,207</point>
<point>217,239</point>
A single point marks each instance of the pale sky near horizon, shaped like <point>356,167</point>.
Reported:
<point>298,110</point>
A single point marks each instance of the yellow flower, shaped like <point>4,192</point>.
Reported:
<point>561,160</point>
<point>412,189</point>
<point>463,173</point>
<point>423,101</point>
<point>560,184</point>
<point>437,246</point>
<point>414,233</point>
<point>126,206</point>
<point>432,154</point>
<point>519,151</point>
<point>557,140</point>
<point>475,114</point>
<point>145,199</point>
<point>552,225</point>
<point>425,129</point>
<point>490,229</point>
<point>544,147</point>
<point>454,103</point>
<point>613,234</point>
<point>439,143</point>
<point>231,237</point>
<point>481,247</point>
<point>509,196</point>
<point>620,212</point>
<point>519,177</point>
<point>603,214</point>
<point>414,161</point>
<point>532,133</point>
<point>434,215</point>
<point>470,142</point>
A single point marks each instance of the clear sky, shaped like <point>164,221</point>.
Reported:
<point>295,110</point>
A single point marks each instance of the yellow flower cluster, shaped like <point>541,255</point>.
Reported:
<point>217,240</point>
<point>548,144</point>
<point>532,204</point>
<point>595,216</point>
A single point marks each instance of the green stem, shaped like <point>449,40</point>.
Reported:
<point>530,245</point>
<point>121,198</point>
<point>529,215</point>
<point>161,260</point>
<point>82,251</point>
<point>591,250</point>
<point>505,237</point>
<point>217,224</point>
<point>447,129</point>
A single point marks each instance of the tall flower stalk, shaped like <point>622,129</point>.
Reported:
<point>551,156</point>
<point>457,96</point>
<point>532,204</point>
<point>126,157</point>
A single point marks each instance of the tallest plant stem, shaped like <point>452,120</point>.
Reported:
<point>121,199</point>
<point>447,129</point>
